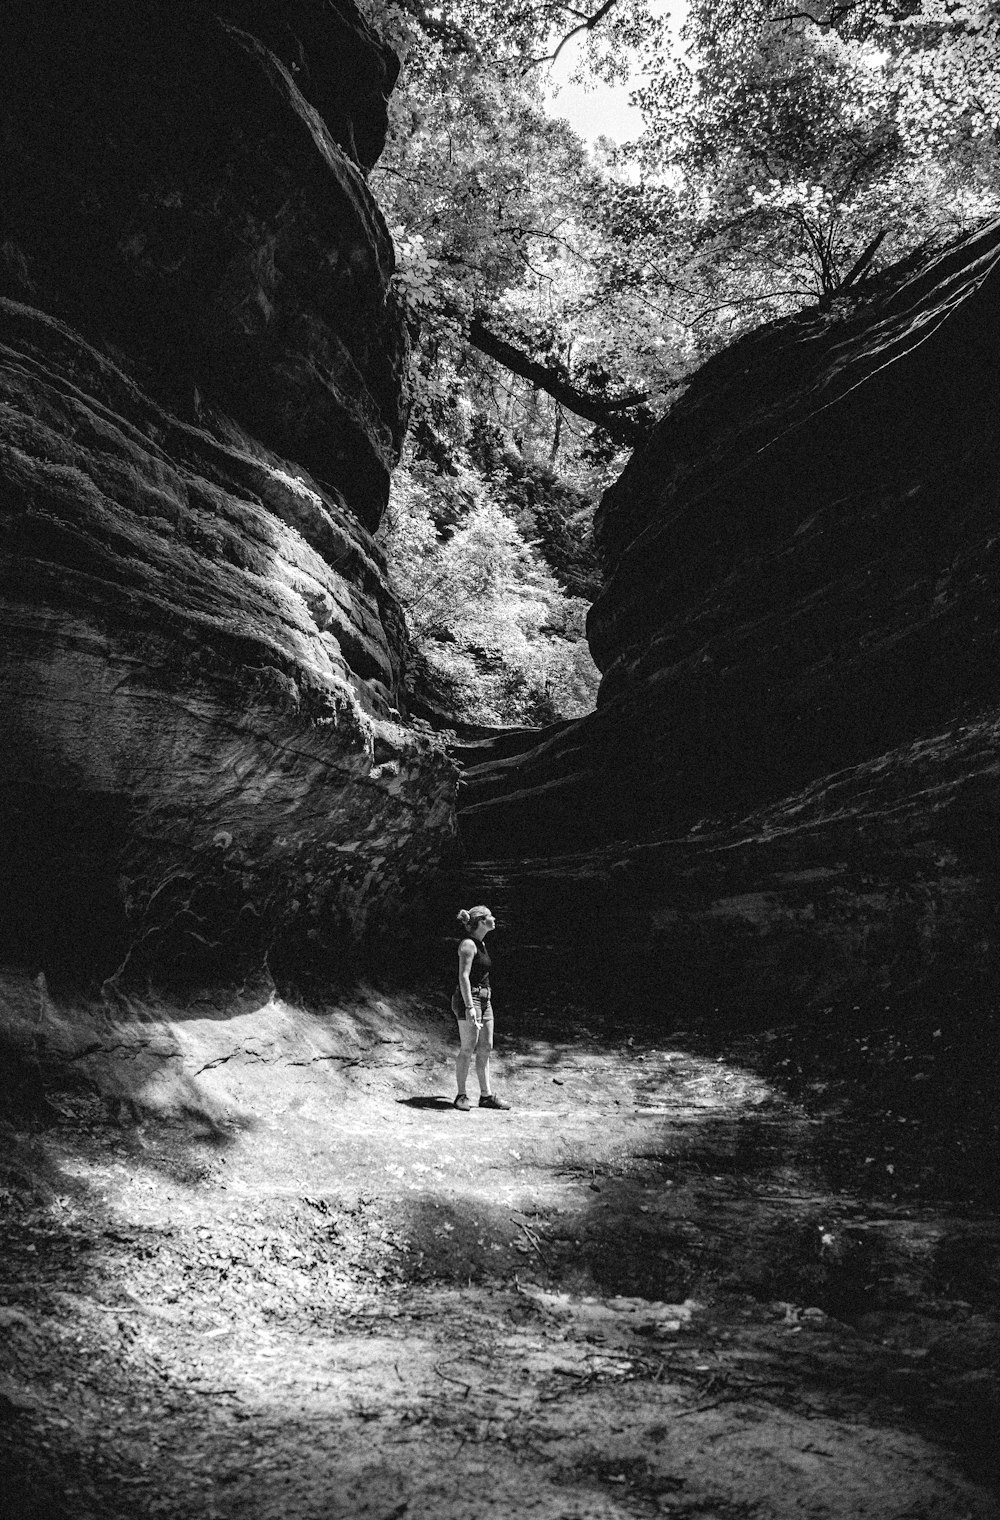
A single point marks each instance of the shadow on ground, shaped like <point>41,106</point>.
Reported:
<point>318,1289</point>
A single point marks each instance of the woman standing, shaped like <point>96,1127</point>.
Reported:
<point>472,1008</point>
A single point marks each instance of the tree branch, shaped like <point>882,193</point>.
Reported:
<point>441,29</point>
<point>857,270</point>
<point>836,11</point>
<point>584,26</point>
<point>605,414</point>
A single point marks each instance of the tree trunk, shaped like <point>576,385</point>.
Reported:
<point>606,412</point>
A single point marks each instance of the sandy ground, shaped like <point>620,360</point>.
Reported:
<point>288,1279</point>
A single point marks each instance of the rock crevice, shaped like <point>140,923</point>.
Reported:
<point>787,789</point>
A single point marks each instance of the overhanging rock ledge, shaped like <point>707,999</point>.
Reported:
<point>202,390</point>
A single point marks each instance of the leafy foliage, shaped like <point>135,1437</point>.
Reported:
<point>794,150</point>
<point>487,613</point>
<point>563,294</point>
<point>496,212</point>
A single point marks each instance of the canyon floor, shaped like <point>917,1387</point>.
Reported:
<point>681,1276</point>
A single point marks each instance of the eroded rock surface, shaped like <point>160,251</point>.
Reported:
<point>789,787</point>
<point>877,884</point>
<point>187,180</point>
<point>201,369</point>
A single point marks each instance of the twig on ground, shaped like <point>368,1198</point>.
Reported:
<point>460,1381</point>
<point>726,1398</point>
<point>533,1241</point>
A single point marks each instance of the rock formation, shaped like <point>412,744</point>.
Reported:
<point>202,390</point>
<point>186,181</point>
<point>789,788</point>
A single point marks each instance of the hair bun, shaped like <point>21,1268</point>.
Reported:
<point>463,915</point>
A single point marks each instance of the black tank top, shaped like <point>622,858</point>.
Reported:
<point>479,971</point>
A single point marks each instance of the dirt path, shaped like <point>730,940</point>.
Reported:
<point>320,1291</point>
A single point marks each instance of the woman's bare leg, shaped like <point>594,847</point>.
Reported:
<point>484,1047</point>
<point>467,1033</point>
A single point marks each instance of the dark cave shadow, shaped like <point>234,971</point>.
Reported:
<point>610,1250</point>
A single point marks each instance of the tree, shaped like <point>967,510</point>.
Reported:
<point>526,391</point>
<point>488,614</point>
<point>495,205</point>
<point>802,146</point>
<point>561,295</point>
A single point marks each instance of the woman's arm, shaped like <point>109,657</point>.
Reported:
<point>466,955</point>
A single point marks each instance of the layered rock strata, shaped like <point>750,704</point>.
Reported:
<point>879,884</point>
<point>788,793</point>
<point>201,393</point>
<point>803,570</point>
<point>182,180</point>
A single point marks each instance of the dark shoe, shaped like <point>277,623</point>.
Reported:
<point>463,1103</point>
<point>490,1100</point>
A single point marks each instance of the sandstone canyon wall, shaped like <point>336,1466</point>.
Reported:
<point>202,383</point>
<point>790,790</point>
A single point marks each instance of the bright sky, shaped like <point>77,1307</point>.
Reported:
<point>602,110</point>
